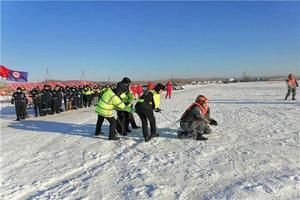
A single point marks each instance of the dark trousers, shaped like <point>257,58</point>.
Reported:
<point>112,125</point>
<point>89,99</point>
<point>130,119</point>
<point>147,115</point>
<point>79,102</point>
<point>207,129</point>
<point>291,90</point>
<point>37,107</point>
<point>195,128</point>
<point>47,107</point>
<point>55,105</point>
<point>84,100</point>
<point>74,102</point>
<point>20,110</point>
<point>121,122</point>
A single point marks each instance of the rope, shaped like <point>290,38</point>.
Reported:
<point>172,122</point>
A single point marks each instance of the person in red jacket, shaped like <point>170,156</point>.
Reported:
<point>169,87</point>
<point>292,84</point>
<point>139,89</point>
<point>133,89</point>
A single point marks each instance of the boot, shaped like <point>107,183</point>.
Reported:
<point>97,134</point>
<point>128,130</point>
<point>200,137</point>
<point>286,97</point>
<point>18,119</point>
<point>154,135</point>
<point>293,98</point>
<point>114,138</point>
<point>182,134</point>
<point>147,139</point>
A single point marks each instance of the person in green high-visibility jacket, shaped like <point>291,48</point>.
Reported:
<point>109,101</point>
<point>148,103</point>
<point>88,93</point>
<point>129,117</point>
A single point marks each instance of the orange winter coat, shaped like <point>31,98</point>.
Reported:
<point>292,82</point>
<point>203,109</point>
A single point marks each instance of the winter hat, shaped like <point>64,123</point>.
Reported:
<point>159,87</point>
<point>201,99</point>
<point>126,80</point>
<point>121,88</point>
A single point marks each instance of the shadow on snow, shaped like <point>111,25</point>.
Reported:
<point>83,130</point>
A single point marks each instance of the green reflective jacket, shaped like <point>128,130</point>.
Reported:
<point>108,102</point>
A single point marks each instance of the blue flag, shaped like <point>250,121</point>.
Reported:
<point>17,76</point>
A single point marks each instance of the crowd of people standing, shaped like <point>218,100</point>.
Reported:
<point>48,100</point>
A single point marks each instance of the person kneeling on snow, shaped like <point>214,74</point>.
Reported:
<point>109,101</point>
<point>196,118</point>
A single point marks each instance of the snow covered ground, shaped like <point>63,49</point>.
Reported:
<point>252,154</point>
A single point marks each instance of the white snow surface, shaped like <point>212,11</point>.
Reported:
<point>253,153</point>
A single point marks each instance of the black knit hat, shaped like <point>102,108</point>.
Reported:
<point>126,80</point>
<point>159,87</point>
<point>120,89</point>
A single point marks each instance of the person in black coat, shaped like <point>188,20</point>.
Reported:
<point>46,100</point>
<point>123,115</point>
<point>20,101</point>
<point>35,94</point>
<point>56,99</point>
<point>74,97</point>
<point>145,106</point>
<point>67,98</point>
<point>80,97</point>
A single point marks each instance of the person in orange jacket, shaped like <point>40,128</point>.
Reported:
<point>169,87</point>
<point>196,119</point>
<point>292,84</point>
<point>150,86</point>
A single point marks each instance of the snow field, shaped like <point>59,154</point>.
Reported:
<point>252,154</point>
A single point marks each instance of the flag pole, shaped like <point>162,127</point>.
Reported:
<point>5,89</point>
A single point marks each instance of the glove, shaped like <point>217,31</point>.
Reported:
<point>128,109</point>
<point>213,122</point>
<point>157,110</point>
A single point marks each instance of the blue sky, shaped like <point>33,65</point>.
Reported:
<point>150,40</point>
